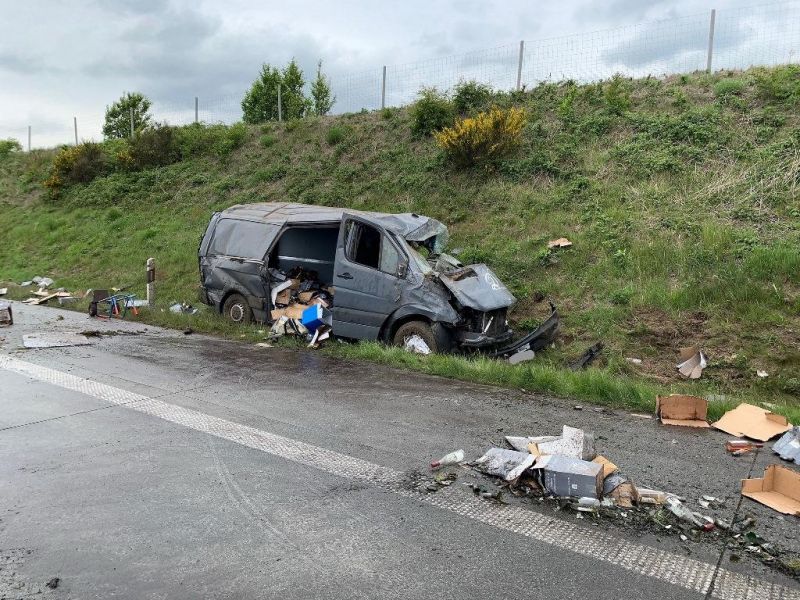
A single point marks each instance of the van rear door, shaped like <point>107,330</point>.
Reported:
<point>367,278</point>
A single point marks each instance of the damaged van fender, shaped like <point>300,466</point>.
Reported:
<point>380,276</point>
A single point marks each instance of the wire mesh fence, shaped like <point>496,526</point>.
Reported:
<point>738,38</point>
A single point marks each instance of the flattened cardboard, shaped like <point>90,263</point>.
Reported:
<point>559,243</point>
<point>295,311</point>
<point>608,467</point>
<point>747,420</point>
<point>685,411</point>
<point>779,489</point>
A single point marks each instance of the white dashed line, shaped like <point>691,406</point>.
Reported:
<point>677,570</point>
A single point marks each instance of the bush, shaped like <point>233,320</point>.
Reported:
<point>431,112</point>
<point>617,95</point>
<point>334,135</point>
<point>469,96</point>
<point>8,146</point>
<point>198,139</point>
<point>268,140</point>
<point>76,164</point>
<point>781,84</point>
<point>728,87</point>
<point>154,147</point>
<point>488,136</point>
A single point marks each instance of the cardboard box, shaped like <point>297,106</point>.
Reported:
<point>283,297</point>
<point>294,311</point>
<point>567,476</point>
<point>686,411</point>
<point>312,317</point>
<point>747,420</point>
<point>608,466</point>
<point>572,442</point>
<point>779,489</point>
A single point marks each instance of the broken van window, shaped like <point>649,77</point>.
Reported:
<point>245,239</point>
<point>422,265</point>
<point>433,235</point>
<point>363,244</point>
<point>389,257</point>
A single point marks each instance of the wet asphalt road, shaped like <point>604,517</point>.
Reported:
<point>117,502</point>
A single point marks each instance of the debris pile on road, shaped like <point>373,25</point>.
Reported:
<point>6,314</point>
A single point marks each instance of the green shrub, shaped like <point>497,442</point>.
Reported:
<point>728,87</point>
<point>389,112</point>
<point>153,147</point>
<point>8,146</point>
<point>487,136</point>
<point>199,139</point>
<point>617,95</point>
<point>469,96</point>
<point>781,84</point>
<point>334,135</point>
<point>431,112</point>
<point>268,140</point>
<point>76,164</point>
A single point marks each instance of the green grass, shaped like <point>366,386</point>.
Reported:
<point>680,196</point>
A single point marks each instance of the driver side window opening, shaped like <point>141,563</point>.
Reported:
<point>366,246</point>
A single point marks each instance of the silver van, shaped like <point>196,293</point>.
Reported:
<point>387,273</point>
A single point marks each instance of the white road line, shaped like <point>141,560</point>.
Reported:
<point>678,570</point>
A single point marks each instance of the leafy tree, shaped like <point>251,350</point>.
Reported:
<point>260,102</point>
<point>321,95</point>
<point>295,103</point>
<point>8,146</point>
<point>118,115</point>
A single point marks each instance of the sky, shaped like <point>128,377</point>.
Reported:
<point>65,60</point>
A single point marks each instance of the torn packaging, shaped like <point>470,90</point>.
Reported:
<point>779,489</point>
<point>608,467</point>
<point>566,476</point>
<point>621,489</point>
<point>686,411</point>
<point>693,361</point>
<point>508,464</point>
<point>788,447</point>
<point>520,443</point>
<point>573,442</point>
<point>747,420</point>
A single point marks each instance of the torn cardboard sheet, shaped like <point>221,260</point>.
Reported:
<point>520,443</point>
<point>779,489</point>
<point>608,467</point>
<point>747,420</point>
<point>566,476</point>
<point>508,464</point>
<point>692,362</point>
<point>573,442</point>
<point>621,489</point>
<point>559,243</point>
<point>277,289</point>
<point>54,340</point>
<point>686,411</point>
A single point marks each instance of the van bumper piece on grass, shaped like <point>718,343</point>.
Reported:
<point>539,338</point>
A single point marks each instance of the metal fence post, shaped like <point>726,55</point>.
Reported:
<point>29,138</point>
<point>711,39</point>
<point>131,122</point>
<point>151,282</point>
<point>196,109</point>
<point>280,109</point>
<point>75,121</point>
<point>519,64</point>
<point>383,89</point>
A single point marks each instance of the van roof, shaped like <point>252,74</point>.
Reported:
<point>408,225</point>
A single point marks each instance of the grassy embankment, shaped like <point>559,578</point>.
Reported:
<point>680,196</point>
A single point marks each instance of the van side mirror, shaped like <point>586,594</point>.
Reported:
<point>402,269</point>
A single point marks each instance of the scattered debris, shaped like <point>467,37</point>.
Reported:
<point>521,443</point>
<point>264,345</point>
<point>762,374</point>
<point>43,282</point>
<point>559,243</point>
<point>26,284</point>
<point>634,361</point>
<point>608,467</point>
<point>183,308</point>
<point>188,331</point>
<point>6,314</point>
<point>416,345</point>
<point>779,489</point>
<point>568,476</point>
<point>448,459</point>
<point>53,583</point>
<point>508,464</point>
<point>521,356</point>
<point>747,420</point>
<point>739,447</point>
<point>3,291</point>
<point>54,340</point>
<point>573,442</point>
<point>788,447</point>
<point>591,353</point>
<point>286,326</point>
<point>686,411</point>
<point>692,362</point>
<point>647,496</point>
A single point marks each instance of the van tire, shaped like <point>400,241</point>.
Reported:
<point>435,335</point>
<point>237,310</point>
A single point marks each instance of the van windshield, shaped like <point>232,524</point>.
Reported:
<point>416,257</point>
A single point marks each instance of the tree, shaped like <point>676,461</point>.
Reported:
<point>260,102</point>
<point>295,103</point>
<point>8,146</point>
<point>118,115</point>
<point>321,96</point>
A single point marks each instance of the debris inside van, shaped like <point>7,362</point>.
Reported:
<point>416,345</point>
<point>747,420</point>
<point>391,276</point>
<point>692,362</point>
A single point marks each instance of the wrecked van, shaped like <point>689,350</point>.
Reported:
<point>386,275</point>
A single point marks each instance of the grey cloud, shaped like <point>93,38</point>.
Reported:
<point>25,64</point>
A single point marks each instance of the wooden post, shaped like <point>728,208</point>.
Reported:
<point>151,282</point>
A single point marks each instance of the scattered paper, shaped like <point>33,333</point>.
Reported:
<point>559,243</point>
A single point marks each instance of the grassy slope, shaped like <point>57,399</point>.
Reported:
<point>682,207</point>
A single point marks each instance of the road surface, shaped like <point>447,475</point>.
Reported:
<point>152,464</point>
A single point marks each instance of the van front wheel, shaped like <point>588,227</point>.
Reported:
<point>237,310</point>
<point>435,336</point>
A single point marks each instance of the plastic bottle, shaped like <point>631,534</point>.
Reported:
<point>448,459</point>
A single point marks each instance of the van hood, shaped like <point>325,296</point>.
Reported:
<point>477,287</point>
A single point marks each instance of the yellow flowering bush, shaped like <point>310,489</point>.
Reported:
<point>487,136</point>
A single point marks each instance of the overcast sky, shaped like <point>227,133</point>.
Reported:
<point>65,59</point>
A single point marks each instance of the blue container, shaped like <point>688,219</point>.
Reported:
<point>312,317</point>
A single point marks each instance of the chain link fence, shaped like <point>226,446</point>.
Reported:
<point>762,35</point>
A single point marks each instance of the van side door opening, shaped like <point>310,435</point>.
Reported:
<point>312,248</point>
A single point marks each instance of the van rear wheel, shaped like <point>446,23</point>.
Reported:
<point>434,335</point>
<point>237,310</point>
